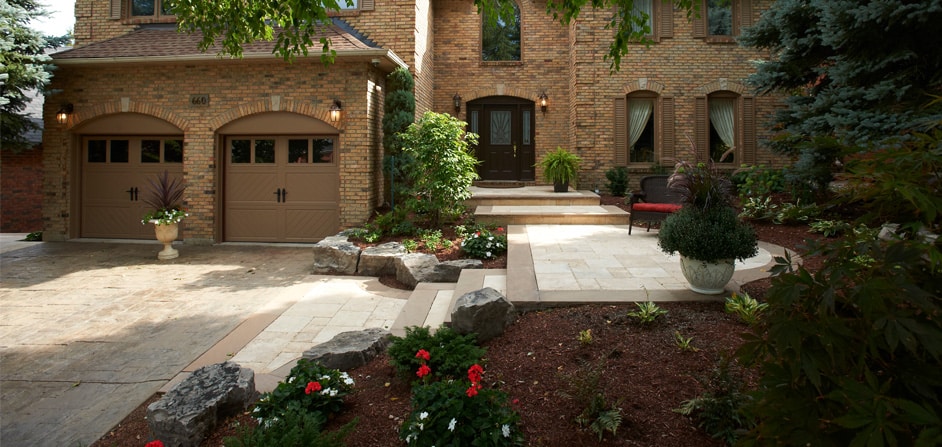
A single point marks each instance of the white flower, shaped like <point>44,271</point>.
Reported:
<point>291,379</point>
<point>421,426</point>
<point>451,425</point>
<point>487,254</point>
<point>505,429</point>
<point>348,381</point>
<point>423,415</point>
<point>490,238</point>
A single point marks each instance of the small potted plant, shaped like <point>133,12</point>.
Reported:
<point>165,196</point>
<point>560,167</point>
<point>706,231</point>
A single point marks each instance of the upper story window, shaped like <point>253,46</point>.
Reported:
<point>149,8</point>
<point>722,20</point>
<point>500,36</point>
<point>352,6</point>
<point>658,22</point>
<point>644,8</point>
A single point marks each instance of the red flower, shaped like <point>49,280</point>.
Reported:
<point>423,354</point>
<point>472,390</point>
<point>475,372</point>
<point>312,387</point>
<point>156,443</point>
<point>423,371</point>
<point>500,229</point>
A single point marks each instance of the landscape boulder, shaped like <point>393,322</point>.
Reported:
<point>335,254</point>
<point>349,350</point>
<point>484,312</point>
<point>380,260</point>
<point>190,410</point>
<point>411,268</point>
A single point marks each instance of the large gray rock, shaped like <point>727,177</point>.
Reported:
<point>484,312</point>
<point>191,409</point>
<point>335,254</point>
<point>411,268</point>
<point>380,260</point>
<point>348,350</point>
<point>414,268</point>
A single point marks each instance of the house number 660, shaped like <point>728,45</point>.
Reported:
<point>199,100</point>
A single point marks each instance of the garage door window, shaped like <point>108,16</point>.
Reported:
<point>108,151</point>
<point>252,151</point>
<point>315,150</point>
<point>168,151</point>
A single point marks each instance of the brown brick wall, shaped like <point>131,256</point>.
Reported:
<point>21,191</point>
<point>236,89</point>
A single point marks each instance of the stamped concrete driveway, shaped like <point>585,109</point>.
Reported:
<point>88,331</point>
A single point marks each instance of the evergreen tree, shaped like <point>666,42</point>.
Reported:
<point>22,68</point>
<point>860,72</point>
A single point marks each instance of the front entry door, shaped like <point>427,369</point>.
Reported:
<point>505,144</point>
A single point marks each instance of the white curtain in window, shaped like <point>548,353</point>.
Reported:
<point>639,112</point>
<point>647,7</point>
<point>722,119</point>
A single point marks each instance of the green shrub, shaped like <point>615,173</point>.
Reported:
<point>617,180</point>
<point>584,386</point>
<point>829,228</point>
<point>309,387</point>
<point>719,410</point>
<point>483,244</point>
<point>758,208</point>
<point>460,412</point>
<point>647,313</point>
<point>758,181</point>
<point>795,213</point>
<point>747,308</point>
<point>451,354</point>
<point>707,235</point>
<point>293,429</point>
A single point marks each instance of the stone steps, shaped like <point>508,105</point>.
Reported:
<point>540,205</point>
<point>431,304</point>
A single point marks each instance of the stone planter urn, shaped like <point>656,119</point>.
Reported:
<point>166,234</point>
<point>708,278</point>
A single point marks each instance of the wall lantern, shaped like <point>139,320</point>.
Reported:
<point>457,101</point>
<point>62,116</point>
<point>335,110</point>
<point>543,100</point>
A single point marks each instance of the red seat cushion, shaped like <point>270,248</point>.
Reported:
<point>656,207</point>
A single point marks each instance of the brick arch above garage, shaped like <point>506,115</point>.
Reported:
<point>279,105</point>
<point>88,117</point>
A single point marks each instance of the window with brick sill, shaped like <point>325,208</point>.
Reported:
<point>721,21</point>
<point>726,128</point>
<point>500,36</point>
<point>644,129</point>
<point>659,18</point>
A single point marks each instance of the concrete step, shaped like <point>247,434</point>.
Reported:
<point>529,196</point>
<point>417,308</point>
<point>476,279</point>
<point>551,215</point>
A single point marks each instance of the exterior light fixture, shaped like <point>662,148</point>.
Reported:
<point>335,110</point>
<point>543,101</point>
<point>457,101</point>
<point>62,116</point>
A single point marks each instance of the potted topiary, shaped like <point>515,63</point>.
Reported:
<point>706,231</point>
<point>560,167</point>
<point>164,197</point>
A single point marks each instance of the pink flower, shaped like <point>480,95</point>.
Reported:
<point>423,354</point>
<point>312,387</point>
<point>423,371</point>
<point>156,443</point>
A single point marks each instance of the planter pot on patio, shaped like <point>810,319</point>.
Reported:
<point>561,187</point>
<point>166,234</point>
<point>708,278</point>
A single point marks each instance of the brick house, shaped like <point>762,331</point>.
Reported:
<point>267,155</point>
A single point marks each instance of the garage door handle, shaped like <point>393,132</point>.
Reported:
<point>278,193</point>
<point>132,192</point>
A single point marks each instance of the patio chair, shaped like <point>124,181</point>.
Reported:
<point>654,202</point>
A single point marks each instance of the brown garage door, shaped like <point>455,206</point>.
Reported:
<point>115,173</point>
<point>281,189</point>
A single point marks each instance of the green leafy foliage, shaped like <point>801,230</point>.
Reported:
<point>34,236</point>
<point>447,413</point>
<point>758,181</point>
<point>294,429</point>
<point>701,186</point>
<point>795,213</point>
<point>829,228</point>
<point>759,208</point>
<point>484,244</point>
<point>684,343</point>
<point>617,180</point>
<point>309,387</point>
<point>560,166</point>
<point>719,410</point>
<point>747,308</point>
<point>585,387</point>
<point>647,313</point>
<point>707,236</point>
<point>451,354</point>
<point>443,167</point>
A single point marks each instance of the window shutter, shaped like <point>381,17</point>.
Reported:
<point>116,9</point>
<point>702,129</point>
<point>745,14</point>
<point>749,130</point>
<point>665,24</point>
<point>367,5</point>
<point>621,132</point>
<point>668,137</point>
<point>700,23</point>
